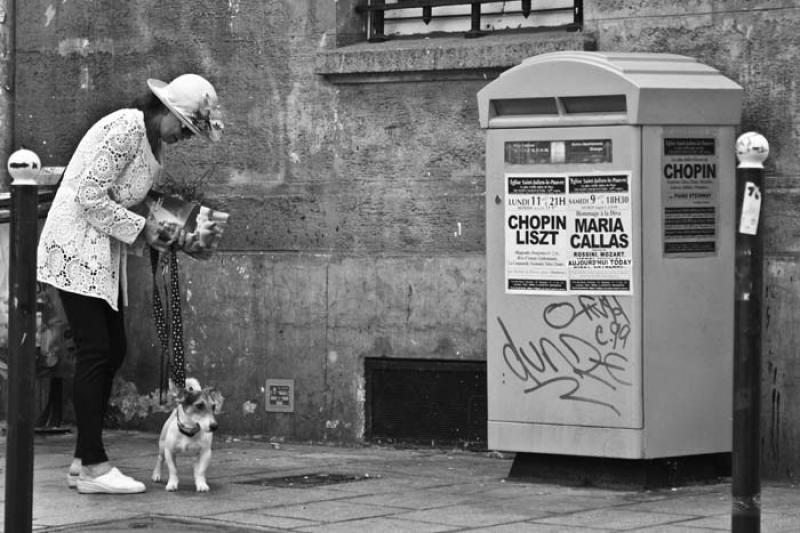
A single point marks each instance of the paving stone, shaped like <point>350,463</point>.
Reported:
<point>614,519</point>
<point>412,490</point>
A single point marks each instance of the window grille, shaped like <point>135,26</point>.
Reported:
<point>413,17</point>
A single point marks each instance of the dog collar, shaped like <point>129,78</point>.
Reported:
<point>183,428</point>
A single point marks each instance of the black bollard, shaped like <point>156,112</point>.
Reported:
<point>752,149</point>
<point>21,348</point>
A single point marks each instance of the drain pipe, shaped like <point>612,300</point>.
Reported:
<point>8,47</point>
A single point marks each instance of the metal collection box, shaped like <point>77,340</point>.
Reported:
<point>610,189</point>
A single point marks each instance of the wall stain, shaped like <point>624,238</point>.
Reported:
<point>775,414</point>
<point>84,47</point>
<point>249,407</point>
<point>49,14</point>
<point>409,296</point>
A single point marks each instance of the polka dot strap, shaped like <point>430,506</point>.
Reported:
<point>161,328</point>
<point>178,362</point>
<point>170,332</point>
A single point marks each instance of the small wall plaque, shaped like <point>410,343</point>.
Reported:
<point>279,396</point>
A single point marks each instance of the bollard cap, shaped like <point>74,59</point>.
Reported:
<point>752,149</point>
<point>23,167</point>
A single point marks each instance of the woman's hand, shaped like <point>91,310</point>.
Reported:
<point>207,232</point>
<point>200,240</point>
<point>188,242</point>
<point>160,235</point>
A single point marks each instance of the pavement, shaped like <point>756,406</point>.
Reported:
<point>259,486</point>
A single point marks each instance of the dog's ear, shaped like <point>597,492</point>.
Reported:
<point>172,389</point>
<point>188,397</point>
<point>180,396</point>
<point>192,384</point>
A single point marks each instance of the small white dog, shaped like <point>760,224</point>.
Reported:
<point>189,429</point>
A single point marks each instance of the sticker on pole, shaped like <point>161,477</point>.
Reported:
<point>751,209</point>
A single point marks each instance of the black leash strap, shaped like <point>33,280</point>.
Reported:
<point>177,366</point>
<point>161,327</point>
<point>178,361</point>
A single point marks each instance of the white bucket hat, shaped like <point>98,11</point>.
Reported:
<point>194,101</point>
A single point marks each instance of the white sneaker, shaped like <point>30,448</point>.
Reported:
<point>72,480</point>
<point>112,482</point>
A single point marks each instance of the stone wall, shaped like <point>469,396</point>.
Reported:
<point>355,179</point>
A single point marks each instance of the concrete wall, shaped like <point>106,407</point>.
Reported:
<point>755,44</point>
<point>355,179</point>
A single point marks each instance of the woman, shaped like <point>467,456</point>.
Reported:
<point>95,216</point>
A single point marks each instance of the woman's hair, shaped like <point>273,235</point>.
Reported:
<point>153,110</point>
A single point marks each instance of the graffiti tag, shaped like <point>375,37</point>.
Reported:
<point>568,356</point>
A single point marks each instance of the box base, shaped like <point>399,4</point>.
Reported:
<point>627,474</point>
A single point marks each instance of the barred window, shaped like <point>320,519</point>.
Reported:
<point>515,30</point>
<point>413,18</point>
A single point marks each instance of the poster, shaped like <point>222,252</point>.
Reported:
<point>568,233</point>
<point>690,194</point>
<point>536,233</point>
<point>574,151</point>
<point>601,247</point>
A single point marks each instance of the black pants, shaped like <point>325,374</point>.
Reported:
<point>99,334</point>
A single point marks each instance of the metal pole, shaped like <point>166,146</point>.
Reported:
<point>23,167</point>
<point>751,149</point>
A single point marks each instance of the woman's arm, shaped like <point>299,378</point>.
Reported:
<point>112,154</point>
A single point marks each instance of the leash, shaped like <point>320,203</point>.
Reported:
<point>177,366</point>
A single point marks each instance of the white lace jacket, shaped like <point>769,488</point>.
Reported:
<point>81,244</point>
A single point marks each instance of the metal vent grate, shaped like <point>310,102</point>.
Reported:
<point>304,481</point>
<point>425,401</point>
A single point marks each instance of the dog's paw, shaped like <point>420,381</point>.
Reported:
<point>156,477</point>
<point>172,485</point>
<point>201,486</point>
